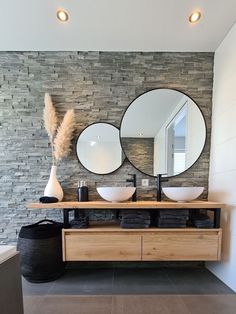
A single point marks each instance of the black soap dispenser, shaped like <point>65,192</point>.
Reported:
<point>82,192</point>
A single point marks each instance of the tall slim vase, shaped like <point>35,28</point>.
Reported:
<point>53,187</point>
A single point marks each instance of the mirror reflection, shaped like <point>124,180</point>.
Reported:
<point>98,148</point>
<point>163,132</point>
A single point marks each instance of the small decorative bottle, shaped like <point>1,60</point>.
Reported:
<point>82,192</point>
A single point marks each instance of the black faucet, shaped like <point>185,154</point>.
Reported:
<point>133,180</point>
<point>159,181</point>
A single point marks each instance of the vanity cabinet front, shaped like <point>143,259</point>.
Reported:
<point>182,246</point>
<point>100,246</point>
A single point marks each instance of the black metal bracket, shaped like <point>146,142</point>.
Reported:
<point>66,214</point>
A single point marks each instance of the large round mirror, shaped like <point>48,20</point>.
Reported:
<point>163,132</point>
<point>98,148</point>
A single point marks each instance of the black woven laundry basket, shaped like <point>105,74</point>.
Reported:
<point>40,247</point>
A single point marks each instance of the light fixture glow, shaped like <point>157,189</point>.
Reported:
<point>92,143</point>
<point>194,17</point>
<point>62,15</point>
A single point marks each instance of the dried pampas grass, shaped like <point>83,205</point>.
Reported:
<point>62,140</point>
<point>59,138</point>
<point>50,117</point>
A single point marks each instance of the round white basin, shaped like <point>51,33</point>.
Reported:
<point>183,194</point>
<point>116,194</point>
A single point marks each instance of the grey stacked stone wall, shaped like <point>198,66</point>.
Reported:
<point>140,152</point>
<point>99,86</point>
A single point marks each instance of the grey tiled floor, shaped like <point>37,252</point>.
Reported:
<point>130,304</point>
<point>136,281</point>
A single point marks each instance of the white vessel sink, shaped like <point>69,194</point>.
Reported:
<point>183,194</point>
<point>116,194</point>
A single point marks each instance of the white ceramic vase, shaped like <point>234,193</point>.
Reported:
<point>53,187</point>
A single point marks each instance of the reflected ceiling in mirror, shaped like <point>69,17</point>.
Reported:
<point>98,148</point>
<point>163,132</point>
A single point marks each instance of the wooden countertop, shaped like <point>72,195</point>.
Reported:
<point>132,205</point>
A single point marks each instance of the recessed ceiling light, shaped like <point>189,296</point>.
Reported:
<point>62,15</point>
<point>194,17</point>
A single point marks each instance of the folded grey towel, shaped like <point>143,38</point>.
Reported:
<point>82,226</point>
<point>199,216</point>
<point>80,222</point>
<point>172,221</point>
<point>170,226</point>
<point>174,212</point>
<point>203,223</point>
<point>135,216</point>
<point>181,217</point>
<point>134,226</point>
<point>132,213</point>
<point>135,220</point>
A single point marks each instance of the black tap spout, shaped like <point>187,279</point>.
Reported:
<point>134,181</point>
<point>160,179</point>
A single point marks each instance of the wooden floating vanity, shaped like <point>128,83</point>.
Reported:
<point>112,243</point>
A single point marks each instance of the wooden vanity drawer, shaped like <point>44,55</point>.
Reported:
<point>182,246</point>
<point>101,247</point>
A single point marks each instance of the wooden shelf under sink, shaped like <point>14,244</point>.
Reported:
<point>115,205</point>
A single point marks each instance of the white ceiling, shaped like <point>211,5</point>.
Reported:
<point>114,25</point>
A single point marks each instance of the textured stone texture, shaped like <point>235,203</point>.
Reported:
<point>140,152</point>
<point>99,86</point>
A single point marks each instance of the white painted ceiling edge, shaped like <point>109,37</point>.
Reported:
<point>112,25</point>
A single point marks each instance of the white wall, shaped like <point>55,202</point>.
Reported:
<point>159,159</point>
<point>222,178</point>
<point>160,143</point>
<point>196,133</point>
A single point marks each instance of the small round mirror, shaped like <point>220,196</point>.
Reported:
<point>98,148</point>
<point>163,132</point>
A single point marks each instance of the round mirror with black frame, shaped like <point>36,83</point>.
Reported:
<point>98,148</point>
<point>163,131</point>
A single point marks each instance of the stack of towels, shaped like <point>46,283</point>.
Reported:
<point>80,222</point>
<point>135,219</point>
<point>201,220</point>
<point>172,218</point>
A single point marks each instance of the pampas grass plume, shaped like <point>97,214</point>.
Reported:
<point>50,117</point>
<point>62,140</point>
